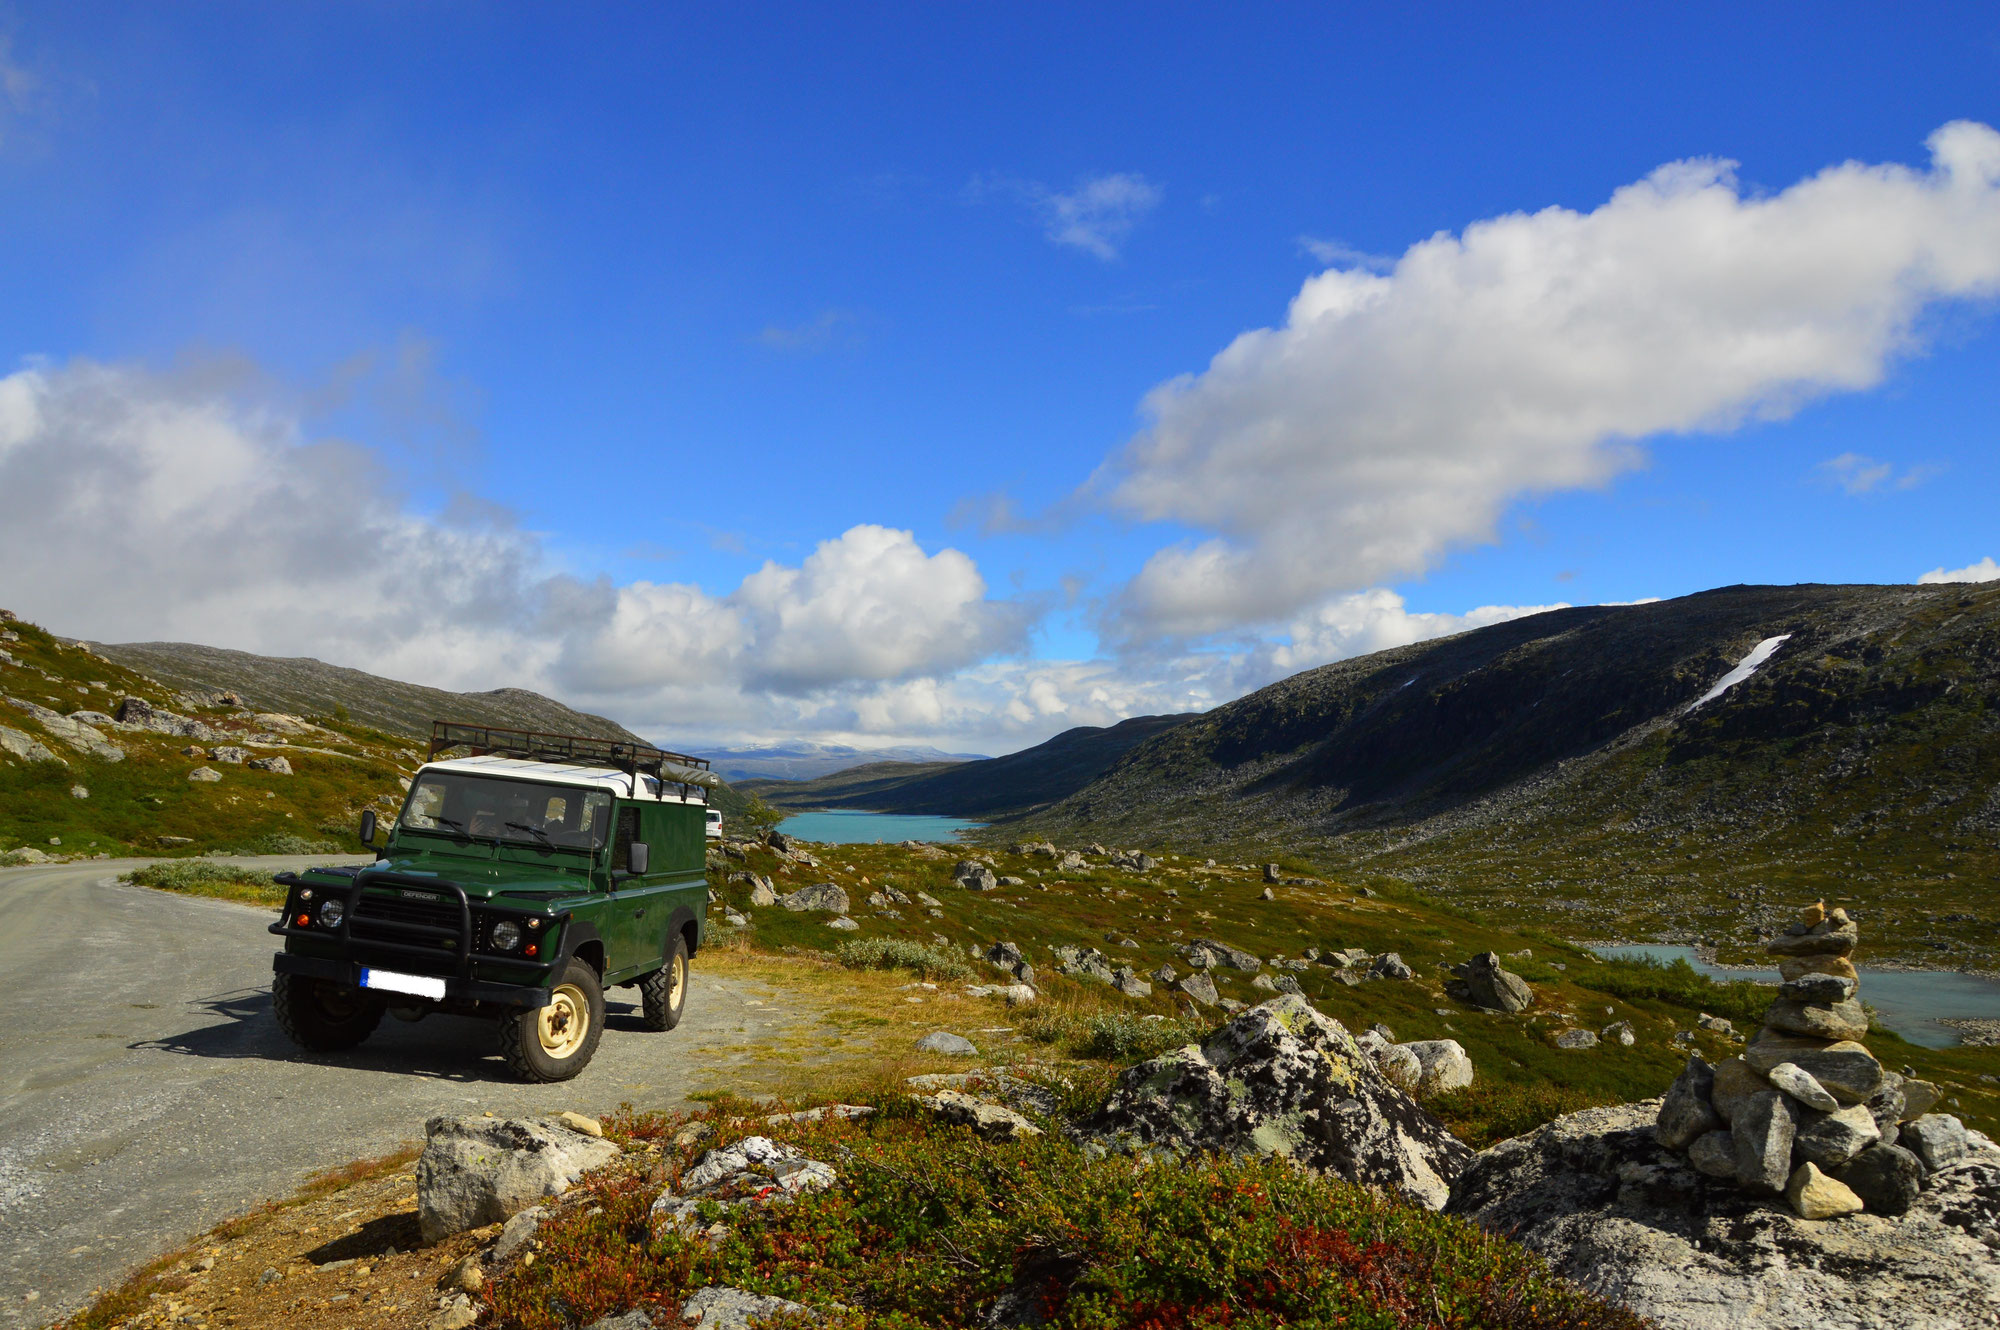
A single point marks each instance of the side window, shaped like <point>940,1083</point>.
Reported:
<point>628,831</point>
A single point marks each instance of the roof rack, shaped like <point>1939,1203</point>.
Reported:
<point>634,759</point>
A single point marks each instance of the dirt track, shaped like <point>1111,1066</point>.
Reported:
<point>146,1093</point>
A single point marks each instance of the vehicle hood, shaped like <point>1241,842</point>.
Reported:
<point>484,876</point>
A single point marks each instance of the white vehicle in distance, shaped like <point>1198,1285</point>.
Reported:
<point>715,824</point>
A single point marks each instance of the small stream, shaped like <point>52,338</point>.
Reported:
<point>1910,1002</point>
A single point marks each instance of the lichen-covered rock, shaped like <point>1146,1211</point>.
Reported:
<point>1837,1020</point>
<point>1764,1131</point>
<point>1443,1064</point>
<point>1844,1067</point>
<point>1085,963</point>
<point>1797,1082</point>
<point>1735,1081</point>
<point>1127,981</point>
<point>1886,1177</point>
<point>1938,1140</point>
<point>719,1307</point>
<point>1283,1079</point>
<point>1630,1220</point>
<point>952,1045</point>
<point>1831,1139</point>
<point>1390,965</point>
<point>1814,1195</point>
<point>989,1121</point>
<point>1221,953</point>
<point>1201,988</point>
<point>1714,1154</point>
<point>477,1171</point>
<point>1685,1112</point>
<point>754,1171</point>
<point>826,896</point>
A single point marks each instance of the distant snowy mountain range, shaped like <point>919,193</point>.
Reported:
<point>809,761</point>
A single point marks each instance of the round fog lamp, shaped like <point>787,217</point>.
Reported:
<point>331,912</point>
<point>506,935</point>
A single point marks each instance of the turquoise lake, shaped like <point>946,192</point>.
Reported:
<point>851,826</point>
<point>1910,1002</point>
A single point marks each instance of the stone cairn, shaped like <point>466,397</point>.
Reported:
<point>1805,1110</point>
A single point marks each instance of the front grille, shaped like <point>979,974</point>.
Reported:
<point>430,926</point>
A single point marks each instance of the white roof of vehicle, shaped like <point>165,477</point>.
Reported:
<point>557,773</point>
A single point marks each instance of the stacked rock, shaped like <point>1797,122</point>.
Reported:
<point>1806,1110</point>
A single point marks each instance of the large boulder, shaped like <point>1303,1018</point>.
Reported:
<point>1488,985</point>
<point>138,714</point>
<point>1283,1079</point>
<point>1632,1221</point>
<point>1206,953</point>
<point>825,896</point>
<point>477,1171</point>
<point>1443,1064</point>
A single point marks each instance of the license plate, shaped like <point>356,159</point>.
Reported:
<point>416,985</point>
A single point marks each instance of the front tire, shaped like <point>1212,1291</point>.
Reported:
<point>555,1042</point>
<point>323,1017</point>
<point>663,993</point>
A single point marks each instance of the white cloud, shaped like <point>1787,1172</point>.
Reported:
<point>194,506</point>
<point>827,330</point>
<point>1394,415</point>
<point>1340,254</point>
<point>1096,216</point>
<point>1984,571</point>
<point>1858,474</point>
<point>1364,621</point>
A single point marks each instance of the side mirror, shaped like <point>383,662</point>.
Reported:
<point>368,827</point>
<point>638,856</point>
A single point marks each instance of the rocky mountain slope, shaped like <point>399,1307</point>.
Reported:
<point>1559,767</point>
<point>308,687</point>
<point>1034,777</point>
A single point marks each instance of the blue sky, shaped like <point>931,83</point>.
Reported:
<point>587,319</point>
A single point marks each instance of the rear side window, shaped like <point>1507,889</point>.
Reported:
<point>621,844</point>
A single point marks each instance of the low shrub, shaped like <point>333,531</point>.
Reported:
<point>891,953</point>
<point>200,877</point>
<point>1117,1036</point>
<point>929,1227</point>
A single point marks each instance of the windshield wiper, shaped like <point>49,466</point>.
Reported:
<point>543,836</point>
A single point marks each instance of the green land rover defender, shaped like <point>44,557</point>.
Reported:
<point>519,882</point>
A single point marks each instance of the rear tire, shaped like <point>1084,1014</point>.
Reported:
<point>663,993</point>
<point>555,1042</point>
<point>323,1017</point>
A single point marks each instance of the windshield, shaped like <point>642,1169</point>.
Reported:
<point>562,817</point>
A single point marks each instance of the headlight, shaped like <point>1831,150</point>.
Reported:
<point>331,912</point>
<point>506,935</point>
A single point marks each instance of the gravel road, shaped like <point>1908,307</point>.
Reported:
<point>146,1093</point>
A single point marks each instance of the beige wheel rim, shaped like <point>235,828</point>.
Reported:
<point>677,976</point>
<point>564,1022</point>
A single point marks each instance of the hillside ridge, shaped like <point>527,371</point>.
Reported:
<point>989,788</point>
<point>1551,764</point>
<point>304,685</point>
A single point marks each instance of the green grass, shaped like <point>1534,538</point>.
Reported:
<point>893,953</point>
<point>1523,1079</point>
<point>928,1226</point>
